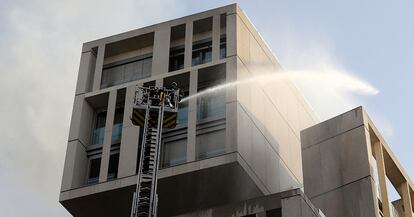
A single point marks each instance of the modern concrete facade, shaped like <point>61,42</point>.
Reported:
<point>234,152</point>
<point>346,165</point>
<point>236,144</point>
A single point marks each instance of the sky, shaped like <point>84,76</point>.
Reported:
<point>368,41</point>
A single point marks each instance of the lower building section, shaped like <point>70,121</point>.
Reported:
<point>190,189</point>
<point>292,203</point>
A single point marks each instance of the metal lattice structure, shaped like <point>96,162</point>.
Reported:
<point>154,108</point>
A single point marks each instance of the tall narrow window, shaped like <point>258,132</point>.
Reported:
<point>117,127</point>
<point>223,38</point>
<point>211,105</point>
<point>176,58</point>
<point>174,146</point>
<point>177,40</point>
<point>211,113</point>
<point>94,168</point>
<point>202,41</point>
<point>113,166</point>
<point>223,47</point>
<point>99,129</point>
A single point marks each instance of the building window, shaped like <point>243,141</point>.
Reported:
<point>117,127</point>
<point>182,114</point>
<point>99,130</point>
<point>176,58</point>
<point>201,52</point>
<point>94,168</point>
<point>126,71</point>
<point>223,47</point>
<point>211,112</point>
<point>211,106</point>
<point>174,152</point>
<point>113,166</point>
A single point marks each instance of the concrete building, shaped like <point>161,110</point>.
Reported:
<point>349,169</point>
<point>235,152</point>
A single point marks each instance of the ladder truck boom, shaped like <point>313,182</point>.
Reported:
<point>154,108</point>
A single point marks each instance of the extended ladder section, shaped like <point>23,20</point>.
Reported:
<point>150,106</point>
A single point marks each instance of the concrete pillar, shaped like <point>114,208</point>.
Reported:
<point>231,32</point>
<point>98,68</point>
<point>216,38</point>
<point>130,138</point>
<point>161,50</point>
<point>379,156</point>
<point>406,197</point>
<point>75,166</point>
<point>192,118</point>
<point>75,122</point>
<point>106,147</point>
<point>87,64</point>
<point>231,106</point>
<point>188,46</point>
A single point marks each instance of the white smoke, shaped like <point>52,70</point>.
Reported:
<point>41,47</point>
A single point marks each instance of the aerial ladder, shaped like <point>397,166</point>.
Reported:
<point>154,108</point>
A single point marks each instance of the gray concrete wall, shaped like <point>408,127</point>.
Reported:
<point>269,115</point>
<point>337,174</point>
<point>292,203</point>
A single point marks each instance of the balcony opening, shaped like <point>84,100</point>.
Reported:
<point>177,41</point>
<point>174,147</point>
<point>98,113</point>
<point>128,60</point>
<point>202,41</point>
<point>211,113</point>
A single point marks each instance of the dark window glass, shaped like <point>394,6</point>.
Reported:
<point>201,53</point>
<point>222,47</point>
<point>182,114</point>
<point>126,71</point>
<point>176,59</point>
<point>113,166</point>
<point>94,168</point>
<point>99,130</point>
<point>117,127</point>
<point>274,213</point>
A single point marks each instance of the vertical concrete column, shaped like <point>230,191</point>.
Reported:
<point>130,138</point>
<point>98,68</point>
<point>87,59</point>
<point>231,106</point>
<point>188,46</point>
<point>161,50</point>
<point>406,197</point>
<point>379,156</point>
<point>215,34</point>
<point>192,118</point>
<point>106,147</point>
<point>76,120</point>
<point>231,32</point>
<point>75,166</point>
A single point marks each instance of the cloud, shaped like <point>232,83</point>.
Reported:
<point>41,46</point>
